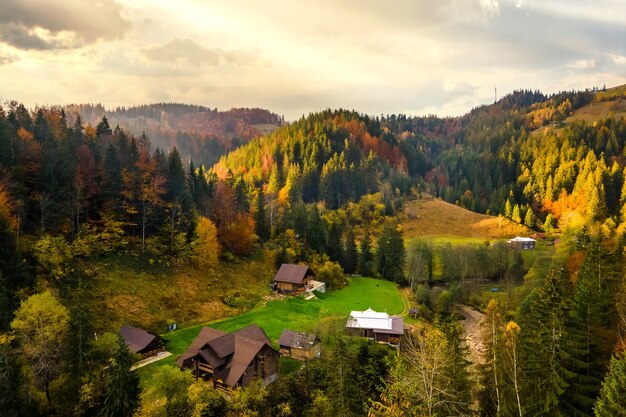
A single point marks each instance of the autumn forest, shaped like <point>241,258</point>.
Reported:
<point>171,189</point>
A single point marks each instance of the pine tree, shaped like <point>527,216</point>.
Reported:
<point>366,257</point>
<point>516,215</point>
<point>551,347</point>
<point>351,259</point>
<point>262,227</point>
<point>334,247</point>
<point>530,219</point>
<point>391,255</point>
<point>612,399</point>
<point>103,127</point>
<point>112,184</point>
<point>122,385</point>
<point>315,233</point>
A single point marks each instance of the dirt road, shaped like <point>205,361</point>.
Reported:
<point>472,333</point>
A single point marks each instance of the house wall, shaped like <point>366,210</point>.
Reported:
<point>264,368</point>
<point>286,286</point>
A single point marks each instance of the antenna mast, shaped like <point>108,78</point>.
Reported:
<point>495,94</point>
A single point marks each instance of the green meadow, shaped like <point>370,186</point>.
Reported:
<point>294,313</point>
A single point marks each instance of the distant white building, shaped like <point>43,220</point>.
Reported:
<point>378,326</point>
<point>522,242</point>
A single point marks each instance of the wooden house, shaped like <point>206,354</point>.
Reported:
<point>524,243</point>
<point>299,345</point>
<point>142,342</point>
<point>375,325</point>
<point>292,278</point>
<point>229,360</point>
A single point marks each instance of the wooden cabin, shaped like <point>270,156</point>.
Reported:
<point>142,342</point>
<point>229,360</point>
<point>292,278</point>
<point>299,345</point>
<point>376,326</point>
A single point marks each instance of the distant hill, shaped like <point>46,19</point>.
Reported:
<point>429,217</point>
<point>199,133</point>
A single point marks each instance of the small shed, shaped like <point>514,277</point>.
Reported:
<point>142,342</point>
<point>299,345</point>
<point>524,243</point>
<point>291,278</point>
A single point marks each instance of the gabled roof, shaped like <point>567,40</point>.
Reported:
<point>294,274</point>
<point>245,351</point>
<point>137,339</point>
<point>297,340</point>
<point>206,335</point>
<point>379,322</point>
<point>234,350</point>
<point>521,239</point>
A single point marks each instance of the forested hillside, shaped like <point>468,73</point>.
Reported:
<point>199,133</point>
<point>102,225</point>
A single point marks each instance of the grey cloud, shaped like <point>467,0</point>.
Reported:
<point>186,51</point>
<point>69,23</point>
<point>525,38</point>
<point>21,37</point>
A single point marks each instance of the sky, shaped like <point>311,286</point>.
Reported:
<point>415,57</point>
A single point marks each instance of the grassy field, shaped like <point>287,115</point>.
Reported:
<point>293,313</point>
<point>446,223</point>
<point>134,291</point>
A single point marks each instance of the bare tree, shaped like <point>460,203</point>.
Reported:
<point>430,358</point>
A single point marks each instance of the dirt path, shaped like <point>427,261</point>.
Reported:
<point>471,333</point>
<point>151,359</point>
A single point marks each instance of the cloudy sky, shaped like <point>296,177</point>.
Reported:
<point>294,57</point>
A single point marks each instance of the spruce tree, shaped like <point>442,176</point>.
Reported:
<point>122,391</point>
<point>351,258</point>
<point>366,257</point>
<point>334,247</point>
<point>262,227</point>
<point>315,233</point>
<point>612,399</point>
<point>552,349</point>
<point>391,255</point>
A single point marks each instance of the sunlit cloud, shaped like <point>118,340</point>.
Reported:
<point>416,57</point>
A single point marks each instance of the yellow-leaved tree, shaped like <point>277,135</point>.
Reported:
<point>207,247</point>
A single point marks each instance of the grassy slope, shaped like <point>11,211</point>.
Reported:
<point>435,219</point>
<point>293,313</point>
<point>130,290</point>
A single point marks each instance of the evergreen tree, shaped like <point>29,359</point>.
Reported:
<point>530,219</point>
<point>315,233</point>
<point>552,349</point>
<point>516,215</point>
<point>103,127</point>
<point>612,399</point>
<point>366,257</point>
<point>262,227</point>
<point>112,181</point>
<point>391,255</point>
<point>334,247</point>
<point>122,385</point>
<point>548,225</point>
<point>351,259</point>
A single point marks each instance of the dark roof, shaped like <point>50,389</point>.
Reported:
<point>137,339</point>
<point>297,340</point>
<point>216,348</point>
<point>292,273</point>
<point>205,336</point>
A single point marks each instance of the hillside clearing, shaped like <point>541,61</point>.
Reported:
<point>127,290</point>
<point>292,313</point>
<point>434,218</point>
